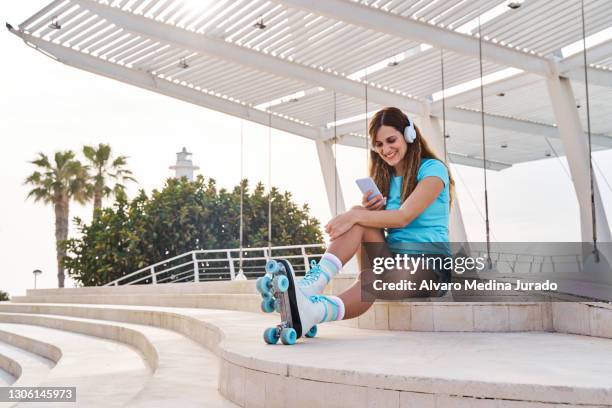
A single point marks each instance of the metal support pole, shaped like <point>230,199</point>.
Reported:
<point>335,198</point>
<point>231,265</point>
<point>576,149</point>
<point>306,265</point>
<point>153,276</point>
<point>196,271</point>
<point>433,133</point>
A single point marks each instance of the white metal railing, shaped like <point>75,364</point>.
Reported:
<point>533,263</point>
<point>219,264</point>
<point>225,264</point>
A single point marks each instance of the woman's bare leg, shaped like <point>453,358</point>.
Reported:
<point>345,247</point>
<point>354,305</point>
<point>347,244</point>
<point>357,299</point>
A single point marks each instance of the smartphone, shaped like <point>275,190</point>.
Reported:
<point>367,184</point>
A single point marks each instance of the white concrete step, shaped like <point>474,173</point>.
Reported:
<point>230,301</point>
<point>24,367</point>
<point>408,316</point>
<point>106,373</point>
<point>224,286</point>
<point>6,379</point>
<point>10,369</point>
<point>433,314</point>
<point>30,360</point>
<point>344,366</point>
<point>184,373</point>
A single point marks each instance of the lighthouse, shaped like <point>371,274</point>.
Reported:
<point>184,165</point>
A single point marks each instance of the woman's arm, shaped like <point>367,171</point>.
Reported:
<point>426,191</point>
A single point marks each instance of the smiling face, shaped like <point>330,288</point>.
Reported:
<point>391,147</point>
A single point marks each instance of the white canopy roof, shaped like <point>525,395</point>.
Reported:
<point>286,70</point>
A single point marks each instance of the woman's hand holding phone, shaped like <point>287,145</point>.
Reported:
<point>369,190</point>
<point>376,203</point>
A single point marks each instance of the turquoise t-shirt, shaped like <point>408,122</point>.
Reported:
<point>431,226</point>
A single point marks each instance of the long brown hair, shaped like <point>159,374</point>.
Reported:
<point>381,172</point>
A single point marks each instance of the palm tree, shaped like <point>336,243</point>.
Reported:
<point>57,183</point>
<point>105,169</point>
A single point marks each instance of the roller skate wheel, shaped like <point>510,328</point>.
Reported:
<point>270,335</point>
<point>281,283</point>
<point>277,306</point>
<point>272,266</point>
<point>267,305</point>
<point>312,332</point>
<point>288,336</point>
<point>263,284</point>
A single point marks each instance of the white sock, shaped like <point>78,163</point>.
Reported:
<point>331,314</point>
<point>333,259</point>
<point>340,304</point>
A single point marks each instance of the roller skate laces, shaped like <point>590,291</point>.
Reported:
<point>333,308</point>
<point>315,280</point>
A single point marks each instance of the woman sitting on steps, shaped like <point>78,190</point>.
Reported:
<point>418,190</point>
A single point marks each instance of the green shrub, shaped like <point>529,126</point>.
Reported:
<point>182,217</point>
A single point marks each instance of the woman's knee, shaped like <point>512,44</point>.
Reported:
<point>371,234</point>
<point>368,234</point>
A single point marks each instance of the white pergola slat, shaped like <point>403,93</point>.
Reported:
<point>64,20</point>
<point>595,54</point>
<point>148,81</point>
<point>196,43</point>
<point>596,76</point>
<point>311,47</point>
<point>49,8</point>
<point>165,48</point>
<point>380,21</point>
<point>42,23</point>
<point>544,26</point>
<point>94,40</point>
<point>420,75</point>
<point>526,104</point>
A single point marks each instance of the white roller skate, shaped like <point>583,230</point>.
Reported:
<point>315,280</point>
<point>299,312</point>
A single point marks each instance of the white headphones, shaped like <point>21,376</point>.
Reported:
<point>409,132</point>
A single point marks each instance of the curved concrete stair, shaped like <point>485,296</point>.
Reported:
<point>106,373</point>
<point>6,379</point>
<point>411,316</point>
<point>229,301</point>
<point>223,286</point>
<point>346,366</point>
<point>38,347</point>
<point>30,360</point>
<point>10,369</point>
<point>25,367</point>
<point>184,373</point>
<point>428,315</point>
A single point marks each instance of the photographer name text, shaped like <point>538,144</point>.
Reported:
<point>491,285</point>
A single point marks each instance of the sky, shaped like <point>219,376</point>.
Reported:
<point>47,106</point>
